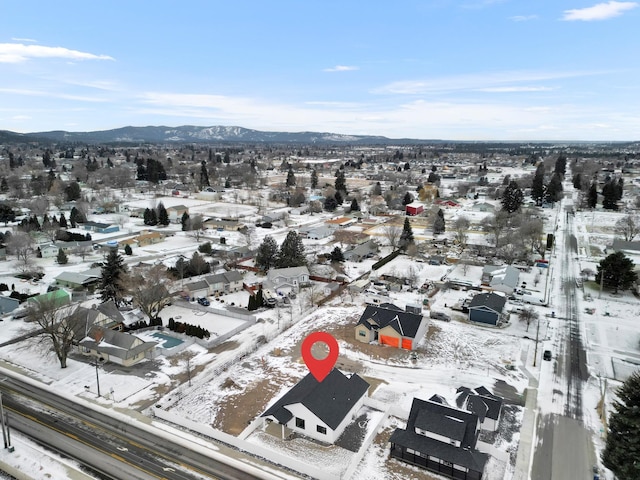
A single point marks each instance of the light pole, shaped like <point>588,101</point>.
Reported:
<point>98,376</point>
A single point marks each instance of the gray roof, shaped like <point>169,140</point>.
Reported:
<point>330,400</point>
<point>114,343</point>
<point>77,278</point>
<point>224,277</point>
<point>619,245</point>
<point>377,316</point>
<point>493,301</point>
<point>199,285</point>
<point>502,275</point>
<point>437,416</point>
<point>287,272</point>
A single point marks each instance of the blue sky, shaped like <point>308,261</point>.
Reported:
<point>459,70</point>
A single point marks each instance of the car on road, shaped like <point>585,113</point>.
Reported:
<point>546,355</point>
<point>440,316</point>
<point>203,301</point>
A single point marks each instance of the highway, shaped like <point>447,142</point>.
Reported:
<point>108,446</point>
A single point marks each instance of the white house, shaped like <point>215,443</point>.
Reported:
<point>319,410</point>
<point>284,280</point>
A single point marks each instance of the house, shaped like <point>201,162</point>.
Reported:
<point>340,222</point>
<point>220,225</point>
<point>390,325</point>
<point>100,227</point>
<point>619,245</point>
<point>483,403</point>
<point>362,251</point>
<point>149,238</point>
<point>483,207</point>
<point>176,212</point>
<point>104,315</point>
<point>501,278</point>
<point>288,279</point>
<point>57,298</point>
<point>442,439</point>
<point>414,208</point>
<point>116,347</point>
<point>446,202</point>
<point>319,410</point>
<point>49,250</point>
<point>487,308</point>
<point>8,304</point>
<point>198,288</point>
<point>77,280</point>
<point>225,282</point>
<point>318,233</point>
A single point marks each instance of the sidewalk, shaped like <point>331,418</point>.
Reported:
<point>529,420</point>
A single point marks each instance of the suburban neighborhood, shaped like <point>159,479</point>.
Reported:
<point>176,283</point>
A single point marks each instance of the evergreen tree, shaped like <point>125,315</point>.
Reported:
<point>330,203</point>
<point>204,175</point>
<point>592,197</point>
<point>408,198</point>
<point>438,223</point>
<point>621,453</point>
<point>619,188</point>
<point>259,298</point>
<point>291,178</point>
<point>163,216</point>
<point>75,217</point>
<point>377,189</point>
<point>336,255</point>
<point>561,165</point>
<point>537,186</point>
<point>512,197</point>
<point>339,199</point>
<point>577,181</point>
<point>63,220</point>
<point>72,192</point>
<point>354,205</point>
<point>554,189</point>
<point>185,222</point>
<point>62,257</point>
<point>291,252</point>
<point>127,249</point>
<point>4,186</point>
<point>267,253</point>
<point>252,303</point>
<point>406,237</point>
<point>314,179</point>
<point>610,196</point>
<point>616,271</point>
<point>150,217</point>
<point>112,278</point>
<point>341,183</point>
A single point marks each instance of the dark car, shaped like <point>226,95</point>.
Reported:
<point>203,301</point>
<point>546,355</point>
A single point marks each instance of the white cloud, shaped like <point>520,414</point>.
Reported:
<point>523,18</point>
<point>601,11</point>
<point>514,89</point>
<point>50,94</point>
<point>342,68</point>
<point>28,40</point>
<point>474,82</point>
<point>18,52</point>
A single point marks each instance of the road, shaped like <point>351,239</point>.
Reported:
<point>564,448</point>
<point>117,446</point>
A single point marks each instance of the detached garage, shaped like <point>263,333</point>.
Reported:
<point>487,308</point>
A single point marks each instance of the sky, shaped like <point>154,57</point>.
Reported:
<point>430,69</point>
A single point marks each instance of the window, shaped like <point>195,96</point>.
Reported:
<point>300,423</point>
<point>321,429</point>
<point>362,333</point>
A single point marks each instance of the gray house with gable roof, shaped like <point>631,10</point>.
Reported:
<point>487,308</point>
<point>442,439</point>
<point>319,410</point>
<point>483,403</point>
<point>390,325</point>
<point>501,278</point>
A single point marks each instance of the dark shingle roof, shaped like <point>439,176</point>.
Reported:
<point>490,300</point>
<point>437,417</point>
<point>406,324</point>
<point>330,400</point>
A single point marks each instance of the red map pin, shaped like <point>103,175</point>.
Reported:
<point>319,368</point>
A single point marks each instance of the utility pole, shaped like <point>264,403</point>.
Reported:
<point>535,353</point>
<point>4,432</point>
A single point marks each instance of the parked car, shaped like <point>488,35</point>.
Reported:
<point>203,301</point>
<point>546,355</point>
<point>440,316</point>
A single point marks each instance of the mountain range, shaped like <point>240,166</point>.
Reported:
<point>195,134</point>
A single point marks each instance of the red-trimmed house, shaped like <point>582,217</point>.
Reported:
<point>413,209</point>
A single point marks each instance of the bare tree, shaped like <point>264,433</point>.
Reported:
<point>39,206</point>
<point>460,227</point>
<point>81,251</point>
<point>22,246</point>
<point>528,315</point>
<point>531,232</point>
<point>628,227</point>
<point>195,227</point>
<point>392,233</point>
<point>57,326</point>
<point>496,225</point>
<point>150,290</point>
